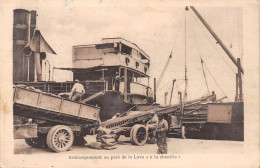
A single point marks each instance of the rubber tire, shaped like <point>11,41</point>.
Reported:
<point>51,135</point>
<point>133,135</point>
<point>34,142</point>
<point>39,142</point>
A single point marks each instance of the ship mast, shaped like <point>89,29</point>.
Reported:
<point>185,76</point>
<point>239,96</point>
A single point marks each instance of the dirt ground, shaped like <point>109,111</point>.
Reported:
<point>175,146</point>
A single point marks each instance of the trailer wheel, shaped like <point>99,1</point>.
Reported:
<point>138,134</point>
<point>60,138</point>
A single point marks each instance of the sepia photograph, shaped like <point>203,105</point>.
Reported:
<point>116,84</point>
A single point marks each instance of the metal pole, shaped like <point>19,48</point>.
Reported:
<point>49,69</point>
<point>154,92</point>
<point>49,72</point>
<point>28,68</point>
<point>45,70</point>
<point>32,61</point>
<point>38,66</point>
<point>125,83</point>
<point>186,79</point>
<point>240,80</point>
<point>172,91</point>
<point>236,98</point>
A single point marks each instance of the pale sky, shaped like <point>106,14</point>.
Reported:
<point>157,27</point>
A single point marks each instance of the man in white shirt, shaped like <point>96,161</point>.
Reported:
<point>77,91</point>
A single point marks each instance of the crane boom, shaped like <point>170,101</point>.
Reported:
<point>217,39</point>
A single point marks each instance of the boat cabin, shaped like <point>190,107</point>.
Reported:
<point>101,63</point>
<point>96,67</point>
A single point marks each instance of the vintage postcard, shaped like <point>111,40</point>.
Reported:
<point>107,83</point>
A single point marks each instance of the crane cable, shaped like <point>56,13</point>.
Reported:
<point>216,82</point>
<point>201,60</point>
<point>164,70</point>
<point>202,64</point>
<point>169,58</point>
<point>206,35</point>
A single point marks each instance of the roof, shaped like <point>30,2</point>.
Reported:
<point>96,68</point>
<point>118,40</point>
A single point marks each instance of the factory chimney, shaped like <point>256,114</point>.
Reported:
<point>21,35</point>
<point>29,47</point>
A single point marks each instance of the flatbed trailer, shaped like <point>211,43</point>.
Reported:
<point>134,125</point>
<point>53,122</point>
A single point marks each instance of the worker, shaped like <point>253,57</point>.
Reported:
<point>214,97</point>
<point>77,91</point>
<point>117,81</point>
<point>161,135</point>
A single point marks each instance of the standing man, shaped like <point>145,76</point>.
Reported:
<point>117,82</point>
<point>161,135</point>
<point>77,91</point>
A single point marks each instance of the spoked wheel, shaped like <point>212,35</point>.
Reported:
<point>60,138</point>
<point>138,134</point>
<point>36,142</point>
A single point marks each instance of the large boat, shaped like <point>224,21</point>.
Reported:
<point>115,75</point>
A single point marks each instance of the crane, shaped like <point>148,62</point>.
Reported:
<point>239,91</point>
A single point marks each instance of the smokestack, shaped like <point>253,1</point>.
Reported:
<point>21,34</point>
<point>32,62</point>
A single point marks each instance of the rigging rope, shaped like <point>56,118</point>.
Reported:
<point>201,60</point>
<point>216,82</point>
<point>212,43</point>
<point>164,70</point>
<point>204,75</point>
<point>168,60</point>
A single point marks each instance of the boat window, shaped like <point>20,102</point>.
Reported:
<point>136,54</point>
<point>142,56</point>
<point>145,69</point>
<point>87,53</point>
<point>126,50</point>
<point>109,47</point>
<point>139,78</point>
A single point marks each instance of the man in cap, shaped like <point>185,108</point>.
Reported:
<point>77,91</point>
<point>161,135</point>
<point>117,81</point>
